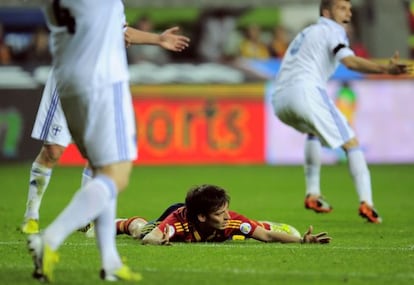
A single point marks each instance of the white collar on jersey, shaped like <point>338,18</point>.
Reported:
<point>327,21</point>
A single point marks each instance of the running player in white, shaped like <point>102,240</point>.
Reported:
<point>50,126</point>
<point>300,100</point>
<point>91,72</point>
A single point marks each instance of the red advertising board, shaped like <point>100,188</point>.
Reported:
<point>196,125</point>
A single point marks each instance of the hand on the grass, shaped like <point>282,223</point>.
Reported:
<point>308,237</point>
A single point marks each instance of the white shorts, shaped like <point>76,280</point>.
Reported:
<point>102,124</point>
<point>310,110</point>
<point>50,125</point>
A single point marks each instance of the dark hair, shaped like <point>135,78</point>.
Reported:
<point>204,199</point>
<point>327,4</point>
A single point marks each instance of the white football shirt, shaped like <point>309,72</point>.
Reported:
<point>94,55</point>
<point>314,54</point>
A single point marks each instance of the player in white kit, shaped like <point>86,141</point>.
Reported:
<point>50,126</point>
<point>91,73</point>
<point>301,101</point>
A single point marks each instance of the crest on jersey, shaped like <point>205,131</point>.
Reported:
<point>245,228</point>
<point>171,230</point>
<point>56,129</point>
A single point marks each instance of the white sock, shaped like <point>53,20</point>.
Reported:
<point>87,176</point>
<point>105,231</point>
<point>87,204</point>
<point>360,173</point>
<point>39,180</point>
<point>312,166</point>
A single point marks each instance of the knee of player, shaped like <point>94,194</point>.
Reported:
<point>122,186</point>
<point>118,172</point>
<point>50,154</point>
<point>351,144</point>
<point>121,181</point>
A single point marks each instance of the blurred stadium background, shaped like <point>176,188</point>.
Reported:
<point>210,104</point>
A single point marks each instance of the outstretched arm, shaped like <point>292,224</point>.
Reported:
<point>363,65</point>
<point>264,235</point>
<point>169,39</point>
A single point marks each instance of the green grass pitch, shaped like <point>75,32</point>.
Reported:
<point>360,253</point>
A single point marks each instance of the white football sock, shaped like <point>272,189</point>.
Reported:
<point>360,173</point>
<point>105,231</point>
<point>39,180</point>
<point>312,166</point>
<point>87,204</point>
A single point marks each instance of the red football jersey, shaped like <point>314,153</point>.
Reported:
<point>182,231</point>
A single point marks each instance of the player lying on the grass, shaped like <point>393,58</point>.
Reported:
<point>137,227</point>
<point>205,217</point>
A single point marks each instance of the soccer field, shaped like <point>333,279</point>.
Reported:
<point>360,253</point>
